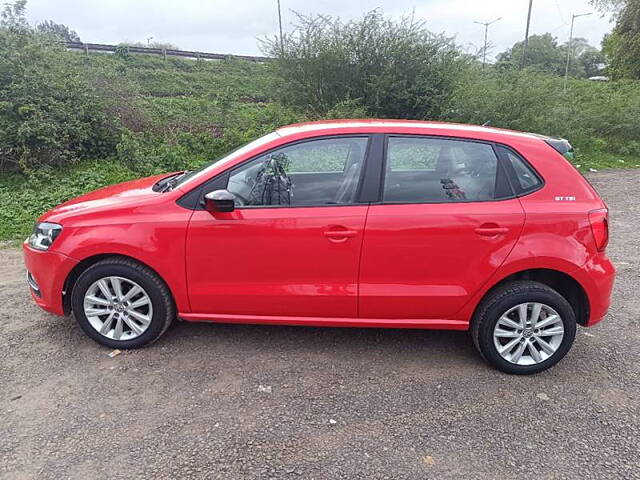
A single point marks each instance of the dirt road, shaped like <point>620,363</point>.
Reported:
<point>219,401</point>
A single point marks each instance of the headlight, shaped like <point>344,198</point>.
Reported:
<point>43,235</point>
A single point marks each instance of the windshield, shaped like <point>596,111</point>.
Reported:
<point>247,147</point>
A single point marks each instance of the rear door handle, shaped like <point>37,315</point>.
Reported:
<point>491,230</point>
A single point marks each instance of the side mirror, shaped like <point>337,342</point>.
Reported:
<point>219,201</point>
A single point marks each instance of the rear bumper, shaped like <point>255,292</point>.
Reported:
<point>46,274</point>
<point>597,277</point>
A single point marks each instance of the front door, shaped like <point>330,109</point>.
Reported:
<point>446,222</point>
<point>292,246</point>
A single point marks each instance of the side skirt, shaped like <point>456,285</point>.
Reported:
<point>418,323</point>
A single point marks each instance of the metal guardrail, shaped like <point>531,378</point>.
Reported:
<point>165,52</point>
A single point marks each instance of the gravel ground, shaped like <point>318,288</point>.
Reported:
<point>222,401</point>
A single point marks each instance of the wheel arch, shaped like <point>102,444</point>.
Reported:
<point>560,281</point>
<point>77,270</point>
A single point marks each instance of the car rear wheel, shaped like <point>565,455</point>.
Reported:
<point>122,304</point>
<point>524,327</point>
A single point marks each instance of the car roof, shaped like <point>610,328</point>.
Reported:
<point>329,127</point>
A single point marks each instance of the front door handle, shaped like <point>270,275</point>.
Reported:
<point>340,235</point>
<point>491,230</point>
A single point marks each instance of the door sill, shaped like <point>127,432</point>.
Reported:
<point>418,323</point>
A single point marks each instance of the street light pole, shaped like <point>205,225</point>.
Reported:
<point>486,29</point>
<point>280,25</point>
<point>149,40</point>
<point>526,38</point>
<point>570,48</point>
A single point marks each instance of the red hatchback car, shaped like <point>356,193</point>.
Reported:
<point>363,223</point>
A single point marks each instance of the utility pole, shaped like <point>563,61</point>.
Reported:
<point>526,38</point>
<point>486,29</point>
<point>280,25</point>
<point>570,48</point>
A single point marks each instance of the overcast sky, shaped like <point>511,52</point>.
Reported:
<point>233,26</point>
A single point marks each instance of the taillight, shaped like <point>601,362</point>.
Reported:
<point>599,220</point>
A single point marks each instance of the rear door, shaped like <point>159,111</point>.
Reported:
<point>446,220</point>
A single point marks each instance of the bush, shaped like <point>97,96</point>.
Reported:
<point>48,114</point>
<point>146,154</point>
<point>393,69</point>
<point>592,115</point>
<point>510,99</point>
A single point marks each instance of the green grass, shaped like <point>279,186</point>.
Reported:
<point>597,160</point>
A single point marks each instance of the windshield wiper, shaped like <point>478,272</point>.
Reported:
<point>173,181</point>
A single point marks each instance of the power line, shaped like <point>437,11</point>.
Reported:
<point>486,29</point>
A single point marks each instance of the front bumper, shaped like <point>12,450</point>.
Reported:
<point>46,274</point>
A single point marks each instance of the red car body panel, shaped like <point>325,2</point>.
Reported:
<point>276,261</point>
<point>423,261</point>
<point>407,266</point>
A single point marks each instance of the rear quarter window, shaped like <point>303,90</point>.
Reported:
<point>524,178</point>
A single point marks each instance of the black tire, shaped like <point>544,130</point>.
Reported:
<point>164,311</point>
<point>501,300</point>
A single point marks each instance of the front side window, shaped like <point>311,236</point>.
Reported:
<point>435,170</point>
<point>312,173</point>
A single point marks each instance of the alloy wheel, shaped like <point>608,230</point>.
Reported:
<point>118,308</point>
<point>528,333</point>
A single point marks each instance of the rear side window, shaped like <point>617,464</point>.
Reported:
<point>526,180</point>
<point>437,170</point>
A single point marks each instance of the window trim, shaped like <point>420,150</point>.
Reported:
<point>493,145</point>
<point>224,176</point>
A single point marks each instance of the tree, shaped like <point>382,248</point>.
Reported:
<point>592,62</point>
<point>58,30</point>
<point>546,55</point>
<point>543,54</point>
<point>13,17</point>
<point>389,69</point>
<point>622,46</point>
<point>608,6</point>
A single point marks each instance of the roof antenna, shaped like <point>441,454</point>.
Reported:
<point>487,123</point>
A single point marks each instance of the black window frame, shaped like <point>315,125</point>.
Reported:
<point>502,176</point>
<point>194,199</point>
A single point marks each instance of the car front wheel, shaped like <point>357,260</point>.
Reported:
<point>122,304</point>
<point>524,327</point>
